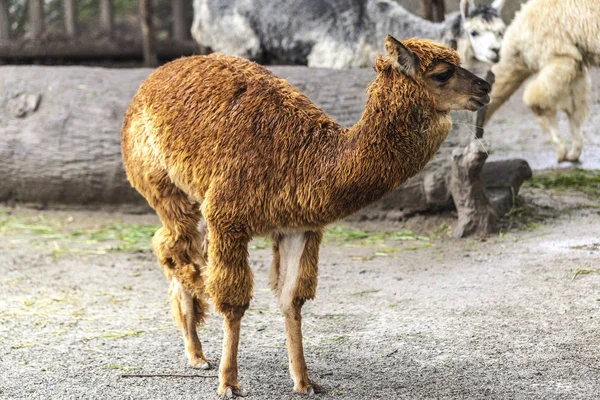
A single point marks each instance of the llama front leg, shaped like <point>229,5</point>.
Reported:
<point>228,371</point>
<point>294,278</point>
<point>229,283</point>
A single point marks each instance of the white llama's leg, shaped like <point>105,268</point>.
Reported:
<point>577,112</point>
<point>550,126</point>
<point>294,277</point>
<point>549,92</point>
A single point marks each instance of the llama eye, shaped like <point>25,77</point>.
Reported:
<point>444,76</point>
<point>474,33</point>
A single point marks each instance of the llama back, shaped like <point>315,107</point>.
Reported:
<point>539,33</point>
<point>203,116</point>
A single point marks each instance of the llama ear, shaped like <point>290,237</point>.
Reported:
<point>465,6</point>
<point>498,4</point>
<point>402,57</point>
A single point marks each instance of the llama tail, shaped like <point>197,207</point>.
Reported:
<point>509,75</point>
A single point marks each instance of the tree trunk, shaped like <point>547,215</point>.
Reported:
<point>36,18</point>
<point>433,10</point>
<point>148,39</point>
<point>181,28</point>
<point>476,216</point>
<point>106,17</point>
<point>71,23</point>
<point>4,21</point>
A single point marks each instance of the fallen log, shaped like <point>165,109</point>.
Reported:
<point>90,49</point>
<point>60,138</point>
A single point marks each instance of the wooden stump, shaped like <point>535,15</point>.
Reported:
<point>476,216</point>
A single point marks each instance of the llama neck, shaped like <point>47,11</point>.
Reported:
<point>395,138</point>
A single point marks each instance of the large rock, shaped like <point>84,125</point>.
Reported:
<point>60,135</point>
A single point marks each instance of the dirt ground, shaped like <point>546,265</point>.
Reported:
<point>406,314</point>
<point>403,314</point>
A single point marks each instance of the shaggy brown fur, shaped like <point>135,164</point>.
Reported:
<point>222,138</point>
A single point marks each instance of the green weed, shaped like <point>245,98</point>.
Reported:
<point>586,181</point>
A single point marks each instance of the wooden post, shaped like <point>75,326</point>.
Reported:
<point>476,216</point>
<point>181,30</point>
<point>4,21</point>
<point>36,18</point>
<point>71,25</point>
<point>106,17</point>
<point>148,40</point>
<point>490,78</point>
<point>433,10</point>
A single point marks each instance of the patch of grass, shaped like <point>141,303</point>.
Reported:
<point>362,258</point>
<point>60,237</point>
<point>590,247</point>
<point>345,234</point>
<point>522,217</point>
<point>116,335</point>
<point>585,271</point>
<point>21,346</point>
<point>354,236</point>
<point>260,244</point>
<point>129,237</point>
<point>366,292</point>
<point>125,368</point>
<point>333,316</point>
<point>583,180</point>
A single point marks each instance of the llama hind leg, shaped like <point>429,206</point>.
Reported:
<point>577,112</point>
<point>550,125</point>
<point>229,283</point>
<point>549,92</point>
<point>188,312</point>
<point>178,246</point>
<point>294,279</point>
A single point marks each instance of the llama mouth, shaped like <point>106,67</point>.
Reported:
<point>480,101</point>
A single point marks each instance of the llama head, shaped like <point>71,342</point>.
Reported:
<point>484,29</point>
<point>432,71</point>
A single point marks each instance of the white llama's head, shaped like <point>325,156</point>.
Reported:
<point>484,29</point>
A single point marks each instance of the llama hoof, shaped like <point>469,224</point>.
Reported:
<point>562,155</point>
<point>309,390</point>
<point>198,362</point>
<point>200,365</point>
<point>573,157</point>
<point>231,393</point>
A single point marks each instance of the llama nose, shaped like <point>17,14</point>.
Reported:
<point>482,86</point>
<point>496,57</point>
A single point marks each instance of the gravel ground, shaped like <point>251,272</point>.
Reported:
<point>515,316</point>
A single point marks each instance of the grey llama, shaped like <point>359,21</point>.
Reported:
<point>337,33</point>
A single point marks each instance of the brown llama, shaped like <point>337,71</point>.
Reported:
<point>221,147</point>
